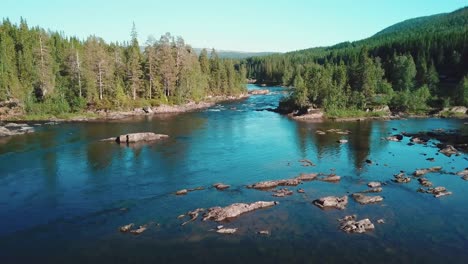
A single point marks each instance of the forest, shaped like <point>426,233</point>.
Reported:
<point>414,66</point>
<point>49,73</point>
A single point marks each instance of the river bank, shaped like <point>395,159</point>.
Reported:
<point>102,115</point>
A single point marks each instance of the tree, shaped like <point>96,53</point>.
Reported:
<point>166,64</point>
<point>462,92</point>
<point>134,64</point>
<point>45,76</point>
<point>100,70</point>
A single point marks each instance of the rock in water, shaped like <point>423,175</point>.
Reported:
<point>332,202</point>
<point>221,186</point>
<point>307,177</point>
<point>449,150</point>
<point>259,92</point>
<point>226,230</point>
<point>374,184</point>
<point>273,184</point>
<point>126,228</point>
<point>139,137</point>
<point>223,213</point>
<point>364,199</point>
<point>139,230</point>
<point>182,192</point>
<point>282,192</point>
<point>396,138</point>
<point>401,178</point>
<point>421,172</point>
<point>353,226</point>
<point>330,178</point>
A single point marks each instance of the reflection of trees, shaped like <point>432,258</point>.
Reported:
<point>359,142</point>
<point>101,154</point>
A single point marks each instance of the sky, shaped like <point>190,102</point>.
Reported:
<point>240,25</point>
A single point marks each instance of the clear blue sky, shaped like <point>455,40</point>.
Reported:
<point>244,25</point>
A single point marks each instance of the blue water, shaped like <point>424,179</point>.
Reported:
<point>63,193</point>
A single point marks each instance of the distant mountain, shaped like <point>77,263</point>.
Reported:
<point>230,54</point>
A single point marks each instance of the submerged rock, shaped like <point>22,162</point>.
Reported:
<point>306,163</point>
<point>449,150</point>
<point>364,199</point>
<point>373,190</point>
<point>330,178</point>
<point>380,221</point>
<point>223,213</point>
<point>350,225</point>
<point>193,215</point>
<point>282,192</point>
<point>463,172</point>
<point>332,202</point>
<point>422,172</point>
<point>301,191</point>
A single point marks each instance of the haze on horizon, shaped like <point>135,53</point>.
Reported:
<point>250,26</point>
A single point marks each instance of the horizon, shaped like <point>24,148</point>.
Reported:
<point>227,36</point>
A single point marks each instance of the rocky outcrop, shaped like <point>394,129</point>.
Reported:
<point>350,225</point>
<point>126,228</point>
<point>332,202</point>
<point>259,92</point>
<point>396,138</point>
<point>12,129</point>
<point>192,214</point>
<point>374,184</point>
<point>137,137</point>
<point>307,177</point>
<point>401,178</point>
<point>274,184</point>
<point>221,186</point>
<point>437,191</point>
<point>364,199</point>
<point>422,172</point>
<point>425,182</point>
<point>449,150</point>
<point>234,210</point>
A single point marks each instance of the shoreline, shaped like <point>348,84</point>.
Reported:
<point>104,115</point>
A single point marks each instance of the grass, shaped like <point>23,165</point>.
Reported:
<point>47,117</point>
<point>353,113</point>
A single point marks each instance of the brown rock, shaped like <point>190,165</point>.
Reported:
<point>449,150</point>
<point>374,184</point>
<point>273,184</point>
<point>223,213</point>
<point>425,182</point>
<point>139,230</point>
<point>364,199</point>
<point>182,192</point>
<point>401,178</point>
<point>193,215</point>
<point>422,172</point>
<point>307,177</point>
<point>137,137</point>
<point>361,226</point>
<point>330,178</point>
<point>126,228</point>
<point>221,186</point>
<point>282,192</point>
<point>259,92</point>
<point>332,202</point>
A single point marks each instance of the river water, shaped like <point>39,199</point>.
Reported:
<point>64,194</point>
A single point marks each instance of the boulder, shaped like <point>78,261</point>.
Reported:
<point>364,199</point>
<point>401,178</point>
<point>374,184</point>
<point>126,228</point>
<point>300,191</point>
<point>264,232</point>
<point>182,192</point>
<point>449,150</point>
<point>463,172</point>
<point>192,214</point>
<point>139,230</point>
<point>396,138</point>
<point>140,137</point>
<point>343,141</point>
<point>425,182</point>
<point>438,191</point>
<point>332,202</point>
<point>307,177</point>
<point>148,110</point>
<point>353,226</point>
<point>422,172</point>
<point>221,186</point>
<point>224,213</point>
<point>380,221</point>
<point>456,109</point>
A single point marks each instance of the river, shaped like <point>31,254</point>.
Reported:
<point>64,194</point>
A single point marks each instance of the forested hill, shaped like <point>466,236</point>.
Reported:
<point>49,73</point>
<point>232,54</point>
<point>424,56</point>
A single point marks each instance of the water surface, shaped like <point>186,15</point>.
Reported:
<point>63,194</point>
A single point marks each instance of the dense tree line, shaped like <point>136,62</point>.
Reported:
<point>410,66</point>
<point>51,73</point>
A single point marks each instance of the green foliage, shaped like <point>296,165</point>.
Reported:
<point>34,64</point>
<point>462,92</point>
